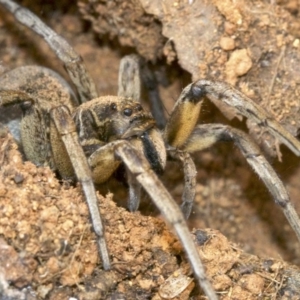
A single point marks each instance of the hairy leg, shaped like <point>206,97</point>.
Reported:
<point>133,74</point>
<point>141,169</point>
<point>66,128</point>
<point>190,172</point>
<point>106,159</point>
<point>206,135</point>
<point>185,114</point>
<point>63,50</point>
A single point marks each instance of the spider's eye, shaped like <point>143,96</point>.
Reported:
<point>127,112</point>
<point>113,106</point>
<point>139,107</point>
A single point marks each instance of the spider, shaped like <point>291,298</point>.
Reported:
<point>91,137</point>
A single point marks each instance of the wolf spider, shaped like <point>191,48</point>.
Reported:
<point>91,137</point>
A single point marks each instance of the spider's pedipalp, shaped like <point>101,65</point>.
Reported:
<point>73,62</point>
<point>206,135</point>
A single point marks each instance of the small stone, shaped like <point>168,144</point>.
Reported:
<point>227,43</point>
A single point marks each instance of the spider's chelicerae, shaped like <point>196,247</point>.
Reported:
<point>89,138</point>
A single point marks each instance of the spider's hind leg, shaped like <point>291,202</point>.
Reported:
<point>206,135</point>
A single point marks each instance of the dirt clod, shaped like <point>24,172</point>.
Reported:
<point>51,232</point>
<point>44,224</point>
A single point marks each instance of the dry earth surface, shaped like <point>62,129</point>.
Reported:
<point>47,249</point>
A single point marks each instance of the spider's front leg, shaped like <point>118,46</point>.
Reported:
<point>134,74</point>
<point>186,112</point>
<point>67,133</point>
<point>106,159</point>
<point>188,137</point>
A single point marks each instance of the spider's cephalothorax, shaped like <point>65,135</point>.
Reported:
<point>91,137</point>
<point>106,119</point>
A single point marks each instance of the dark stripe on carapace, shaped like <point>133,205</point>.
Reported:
<point>151,153</point>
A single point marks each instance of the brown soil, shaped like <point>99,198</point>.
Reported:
<point>46,243</point>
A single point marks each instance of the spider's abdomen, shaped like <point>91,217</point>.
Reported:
<point>44,89</point>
